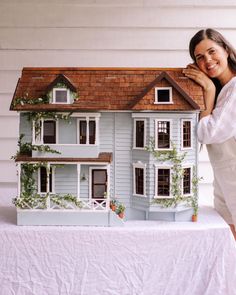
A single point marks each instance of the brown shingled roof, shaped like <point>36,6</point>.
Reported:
<point>110,89</point>
<point>102,157</point>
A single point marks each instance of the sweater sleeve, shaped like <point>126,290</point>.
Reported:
<point>221,124</point>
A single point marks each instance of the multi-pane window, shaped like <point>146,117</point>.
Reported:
<point>163,95</point>
<point>163,182</point>
<point>139,181</point>
<point>49,131</point>
<point>60,95</point>
<point>87,132</point>
<point>186,134</point>
<point>43,180</point>
<point>163,134</point>
<point>187,181</point>
<point>139,133</point>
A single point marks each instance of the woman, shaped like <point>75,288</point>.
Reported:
<point>214,68</point>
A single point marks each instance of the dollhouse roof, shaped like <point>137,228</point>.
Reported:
<point>109,89</point>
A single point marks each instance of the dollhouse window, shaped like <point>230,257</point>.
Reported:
<point>87,131</point>
<point>163,95</point>
<point>49,131</point>
<point>139,175</point>
<point>163,182</point>
<point>186,134</point>
<point>60,95</point>
<point>187,181</point>
<point>139,134</point>
<point>163,134</point>
<point>43,180</point>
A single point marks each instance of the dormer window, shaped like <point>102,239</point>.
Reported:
<point>60,95</point>
<point>163,95</point>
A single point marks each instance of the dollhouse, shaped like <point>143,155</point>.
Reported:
<point>92,137</point>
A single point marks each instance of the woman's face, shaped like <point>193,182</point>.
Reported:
<point>212,59</point>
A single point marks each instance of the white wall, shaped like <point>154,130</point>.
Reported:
<point>134,33</point>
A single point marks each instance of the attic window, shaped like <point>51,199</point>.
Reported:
<point>163,95</point>
<point>60,95</point>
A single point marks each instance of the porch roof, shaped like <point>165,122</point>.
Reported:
<point>102,157</point>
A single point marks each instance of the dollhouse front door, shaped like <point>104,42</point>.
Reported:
<point>99,183</point>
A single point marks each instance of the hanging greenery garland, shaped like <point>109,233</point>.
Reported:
<point>177,177</point>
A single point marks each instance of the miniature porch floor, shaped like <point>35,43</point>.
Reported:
<point>143,257</point>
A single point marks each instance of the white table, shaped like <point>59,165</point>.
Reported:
<point>143,258</point>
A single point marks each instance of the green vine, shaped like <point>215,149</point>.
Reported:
<point>26,148</point>
<point>176,160</point>
<point>28,202</point>
<point>36,200</point>
<point>38,116</point>
<point>63,201</point>
<point>30,101</point>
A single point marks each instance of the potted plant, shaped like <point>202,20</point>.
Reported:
<point>113,204</point>
<point>195,214</point>
<point>195,209</point>
<point>120,210</point>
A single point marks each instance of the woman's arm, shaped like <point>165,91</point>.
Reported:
<point>193,72</point>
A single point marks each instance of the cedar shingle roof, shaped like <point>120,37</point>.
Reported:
<point>110,89</point>
<point>102,157</point>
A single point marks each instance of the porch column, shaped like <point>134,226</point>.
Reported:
<point>48,185</point>
<point>108,186</point>
<point>78,180</point>
<point>18,180</point>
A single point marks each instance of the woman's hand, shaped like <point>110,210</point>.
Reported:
<point>193,72</point>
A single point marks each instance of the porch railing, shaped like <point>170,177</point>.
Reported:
<point>47,203</point>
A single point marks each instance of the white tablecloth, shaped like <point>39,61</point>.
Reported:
<point>143,258</point>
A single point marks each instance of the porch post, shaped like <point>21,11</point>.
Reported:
<point>18,180</point>
<point>78,180</point>
<point>48,185</point>
<point>108,186</point>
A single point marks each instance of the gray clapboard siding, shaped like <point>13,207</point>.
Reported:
<point>84,184</point>
<point>67,131</point>
<point>123,129</point>
<point>106,135</point>
<point>66,179</point>
<point>25,128</point>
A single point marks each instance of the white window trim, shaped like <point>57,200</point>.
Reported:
<point>156,95</point>
<point>87,119</point>
<point>53,181</point>
<point>39,139</point>
<point>134,135</point>
<point>157,167</point>
<point>60,89</point>
<point>191,132</point>
<point>57,131</point>
<point>107,168</point>
<point>191,175</point>
<point>142,166</point>
<point>156,133</point>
